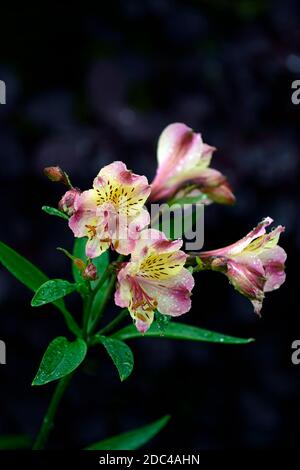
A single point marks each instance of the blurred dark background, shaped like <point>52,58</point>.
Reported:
<point>89,85</point>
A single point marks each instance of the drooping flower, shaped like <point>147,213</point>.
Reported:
<point>254,265</point>
<point>183,160</point>
<point>67,202</point>
<point>155,278</point>
<point>112,213</point>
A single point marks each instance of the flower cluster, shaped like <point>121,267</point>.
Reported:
<point>113,215</point>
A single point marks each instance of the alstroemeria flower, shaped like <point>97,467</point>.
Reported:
<point>184,159</point>
<point>254,265</point>
<point>155,278</point>
<point>112,214</point>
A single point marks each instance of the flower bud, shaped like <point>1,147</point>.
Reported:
<point>67,202</point>
<point>55,174</point>
<point>90,272</point>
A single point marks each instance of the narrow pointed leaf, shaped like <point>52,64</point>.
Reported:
<point>51,291</point>
<point>21,268</point>
<point>53,211</point>
<point>120,354</point>
<point>180,331</point>
<point>131,440</point>
<point>18,441</point>
<point>31,277</point>
<point>60,359</point>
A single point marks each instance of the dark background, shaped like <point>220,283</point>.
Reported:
<point>87,86</point>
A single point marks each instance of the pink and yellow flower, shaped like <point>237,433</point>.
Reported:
<point>254,265</point>
<point>183,159</point>
<point>155,278</point>
<point>112,213</point>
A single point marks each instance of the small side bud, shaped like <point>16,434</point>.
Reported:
<point>90,272</point>
<point>67,202</point>
<point>55,174</point>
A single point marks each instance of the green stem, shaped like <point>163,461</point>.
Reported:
<point>105,300</point>
<point>70,322</point>
<point>87,303</point>
<point>115,322</point>
<point>103,278</point>
<point>108,292</point>
<point>48,420</point>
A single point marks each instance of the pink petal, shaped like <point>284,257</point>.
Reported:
<point>179,149</point>
<point>179,143</point>
<point>128,230</point>
<point>273,260</point>
<point>221,194</point>
<point>142,326</point>
<point>80,220</point>
<point>95,248</point>
<point>240,245</point>
<point>247,279</point>
<point>119,172</point>
<point>122,293</point>
<point>173,294</point>
<point>86,201</point>
<point>148,237</point>
<point>138,223</point>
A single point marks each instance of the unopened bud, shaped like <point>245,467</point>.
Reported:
<point>55,174</point>
<point>67,202</point>
<point>90,272</point>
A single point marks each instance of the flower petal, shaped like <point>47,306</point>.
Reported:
<point>273,260</point>
<point>127,235</point>
<point>240,245</point>
<point>86,201</point>
<point>153,240</point>
<point>178,145</point>
<point>123,188</point>
<point>95,248</point>
<point>82,222</point>
<point>173,294</point>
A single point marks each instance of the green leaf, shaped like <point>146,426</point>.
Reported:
<point>180,331</point>
<point>21,268</point>
<point>131,440</point>
<point>11,442</point>
<point>162,321</point>
<point>98,299</point>
<point>52,290</point>
<point>60,359</point>
<point>33,278</point>
<point>53,211</point>
<point>120,354</point>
